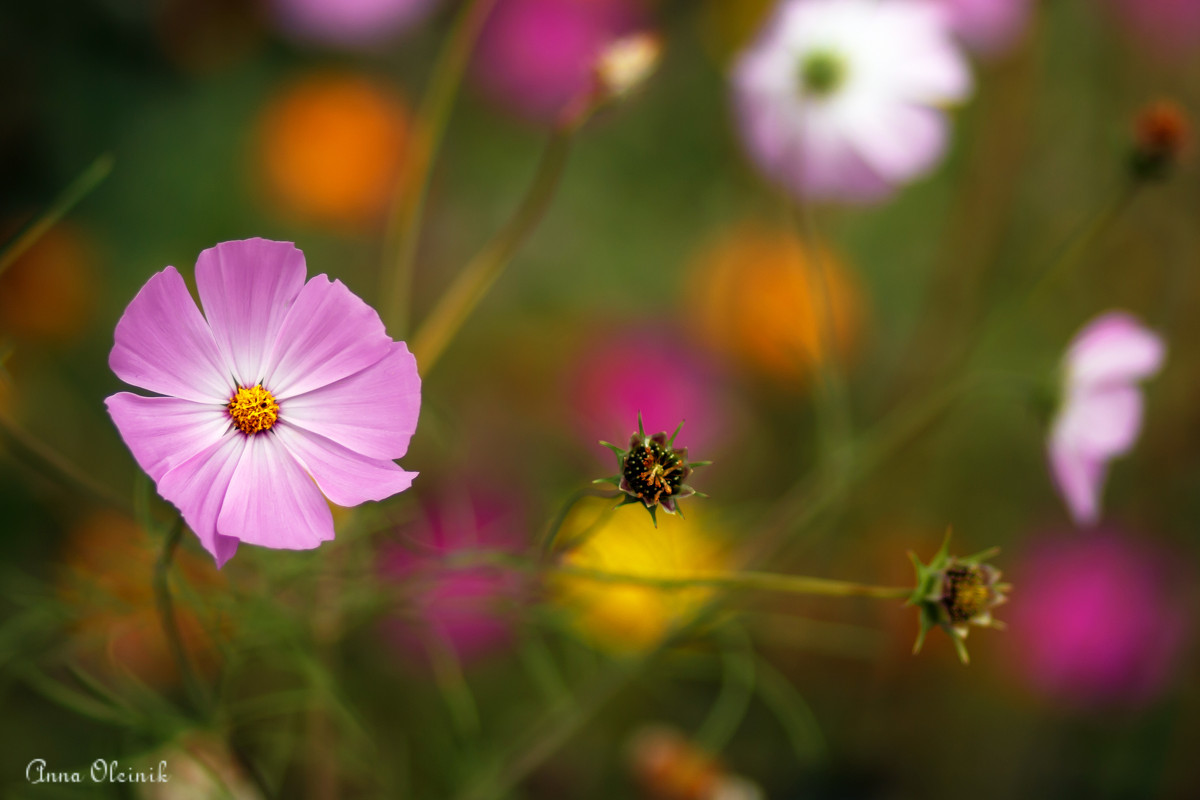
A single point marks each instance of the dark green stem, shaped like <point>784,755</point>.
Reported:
<point>170,625</point>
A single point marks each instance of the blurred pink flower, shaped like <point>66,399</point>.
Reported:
<point>288,393</point>
<point>1173,25</point>
<point>1100,415</point>
<point>465,607</point>
<point>536,56</point>
<point>987,26</point>
<point>1098,619</point>
<point>648,371</point>
<point>843,99</point>
<point>348,23</point>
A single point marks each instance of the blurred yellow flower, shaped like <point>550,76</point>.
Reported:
<point>48,293</point>
<point>625,617</point>
<point>755,299</point>
<point>330,149</point>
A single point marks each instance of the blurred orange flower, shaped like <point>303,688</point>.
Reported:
<point>756,299</point>
<point>106,582</point>
<point>331,148</point>
<point>47,293</point>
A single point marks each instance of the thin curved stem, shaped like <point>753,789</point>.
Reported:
<point>478,277</point>
<point>166,614</point>
<point>56,466</point>
<point>556,525</point>
<point>412,192</point>
<point>78,189</point>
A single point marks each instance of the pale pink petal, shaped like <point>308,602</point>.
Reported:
<point>1114,348</point>
<point>345,477</point>
<point>198,487</point>
<point>899,141</point>
<point>373,412</point>
<point>163,344</point>
<point>272,501</point>
<point>1104,422</point>
<point>329,333</point>
<point>163,432</point>
<point>1080,479</point>
<point>246,288</point>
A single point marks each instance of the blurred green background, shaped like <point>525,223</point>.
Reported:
<point>182,93</point>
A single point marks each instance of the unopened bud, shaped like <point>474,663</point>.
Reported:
<point>625,64</point>
<point>1161,135</point>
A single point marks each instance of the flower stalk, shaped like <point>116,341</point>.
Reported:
<point>166,615</point>
<point>478,277</point>
<point>412,190</point>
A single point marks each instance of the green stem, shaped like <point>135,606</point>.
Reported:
<point>833,406</point>
<point>166,614</point>
<point>78,189</point>
<point>737,690</point>
<point>473,283</point>
<point>404,228</point>
<point>739,581</point>
<point>54,465</point>
<point>565,511</point>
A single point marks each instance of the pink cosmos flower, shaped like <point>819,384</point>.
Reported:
<point>536,56</point>
<point>987,26</point>
<point>1101,411</point>
<point>1098,620</point>
<point>287,394</point>
<point>348,23</point>
<point>843,99</point>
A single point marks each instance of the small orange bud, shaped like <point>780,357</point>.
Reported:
<point>1162,133</point>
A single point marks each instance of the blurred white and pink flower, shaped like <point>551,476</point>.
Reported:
<point>988,27</point>
<point>844,99</point>
<point>1100,414</point>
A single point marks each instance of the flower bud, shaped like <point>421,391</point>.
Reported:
<point>652,472</point>
<point>627,63</point>
<point>954,593</point>
<point>1161,135</point>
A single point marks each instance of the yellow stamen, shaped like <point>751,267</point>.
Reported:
<point>253,410</point>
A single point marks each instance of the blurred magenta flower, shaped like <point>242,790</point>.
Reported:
<point>348,23</point>
<point>288,393</point>
<point>1100,414</point>
<point>1098,619</point>
<point>843,99</point>
<point>464,607</point>
<point>536,56</point>
<point>988,26</point>
<point>1171,26</point>
<point>648,371</point>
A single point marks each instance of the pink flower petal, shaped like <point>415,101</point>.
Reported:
<point>198,488</point>
<point>272,501</point>
<point>247,288</point>
<point>1079,477</point>
<point>164,432</point>
<point>163,344</point>
<point>345,477</point>
<point>373,412</point>
<point>899,141</point>
<point>329,333</point>
<point>1114,348</point>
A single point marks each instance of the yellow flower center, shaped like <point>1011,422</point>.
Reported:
<point>253,410</point>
